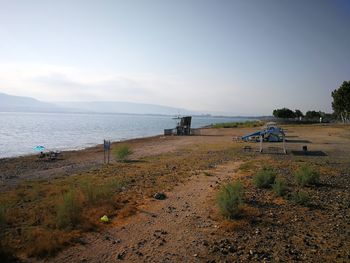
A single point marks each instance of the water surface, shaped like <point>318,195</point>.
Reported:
<point>21,132</point>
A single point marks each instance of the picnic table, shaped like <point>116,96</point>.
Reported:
<point>50,156</point>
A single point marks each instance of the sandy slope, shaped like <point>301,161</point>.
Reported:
<point>187,226</point>
<point>171,230</point>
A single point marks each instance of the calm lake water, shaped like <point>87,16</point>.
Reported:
<point>21,132</point>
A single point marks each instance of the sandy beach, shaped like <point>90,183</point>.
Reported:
<point>187,225</point>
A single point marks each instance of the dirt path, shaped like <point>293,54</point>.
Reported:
<point>173,230</point>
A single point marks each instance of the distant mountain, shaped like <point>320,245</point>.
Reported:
<point>26,104</point>
<point>124,107</point>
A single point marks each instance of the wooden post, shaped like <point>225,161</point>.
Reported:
<point>104,151</point>
<point>261,143</point>
<point>109,150</point>
<point>284,144</point>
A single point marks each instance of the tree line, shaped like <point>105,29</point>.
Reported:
<point>286,113</point>
<point>340,105</point>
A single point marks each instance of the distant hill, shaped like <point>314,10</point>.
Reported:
<point>123,107</point>
<point>27,104</point>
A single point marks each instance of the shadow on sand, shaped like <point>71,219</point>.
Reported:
<point>298,141</point>
<point>309,153</point>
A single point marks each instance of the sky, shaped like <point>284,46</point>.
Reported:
<point>235,57</point>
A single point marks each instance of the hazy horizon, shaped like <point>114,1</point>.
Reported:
<point>10,103</point>
<point>233,57</point>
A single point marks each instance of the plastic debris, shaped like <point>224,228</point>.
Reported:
<point>104,219</point>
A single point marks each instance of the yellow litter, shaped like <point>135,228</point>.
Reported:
<point>104,219</point>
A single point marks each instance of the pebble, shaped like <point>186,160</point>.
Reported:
<point>121,255</point>
<point>160,196</point>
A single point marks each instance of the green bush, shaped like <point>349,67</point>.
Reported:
<point>122,152</point>
<point>246,124</point>
<point>69,210</point>
<point>305,175</point>
<point>280,186</point>
<point>230,199</point>
<point>301,198</point>
<point>264,178</point>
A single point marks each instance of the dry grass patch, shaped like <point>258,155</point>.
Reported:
<point>234,225</point>
<point>248,166</point>
<point>2,216</point>
<point>69,210</point>
<point>46,242</point>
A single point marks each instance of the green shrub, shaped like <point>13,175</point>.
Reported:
<point>248,124</point>
<point>122,152</point>
<point>69,210</point>
<point>280,186</point>
<point>230,199</point>
<point>305,175</point>
<point>264,178</point>
<point>301,198</point>
<point>2,216</point>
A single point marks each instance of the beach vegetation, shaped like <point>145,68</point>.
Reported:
<point>279,187</point>
<point>122,152</point>
<point>283,113</point>
<point>264,178</point>
<point>298,113</point>
<point>246,124</point>
<point>301,198</point>
<point>69,210</point>
<point>306,176</point>
<point>341,99</point>
<point>230,199</point>
<point>312,114</point>
<point>43,210</point>
<point>94,193</point>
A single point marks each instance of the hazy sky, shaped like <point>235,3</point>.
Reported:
<point>239,57</point>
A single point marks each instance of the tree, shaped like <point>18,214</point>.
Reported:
<point>283,113</point>
<point>341,101</point>
<point>313,114</point>
<point>298,113</point>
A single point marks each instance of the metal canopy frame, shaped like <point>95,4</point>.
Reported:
<point>283,143</point>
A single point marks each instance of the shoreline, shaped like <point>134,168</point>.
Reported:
<point>67,150</point>
<point>18,141</point>
<point>15,170</point>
